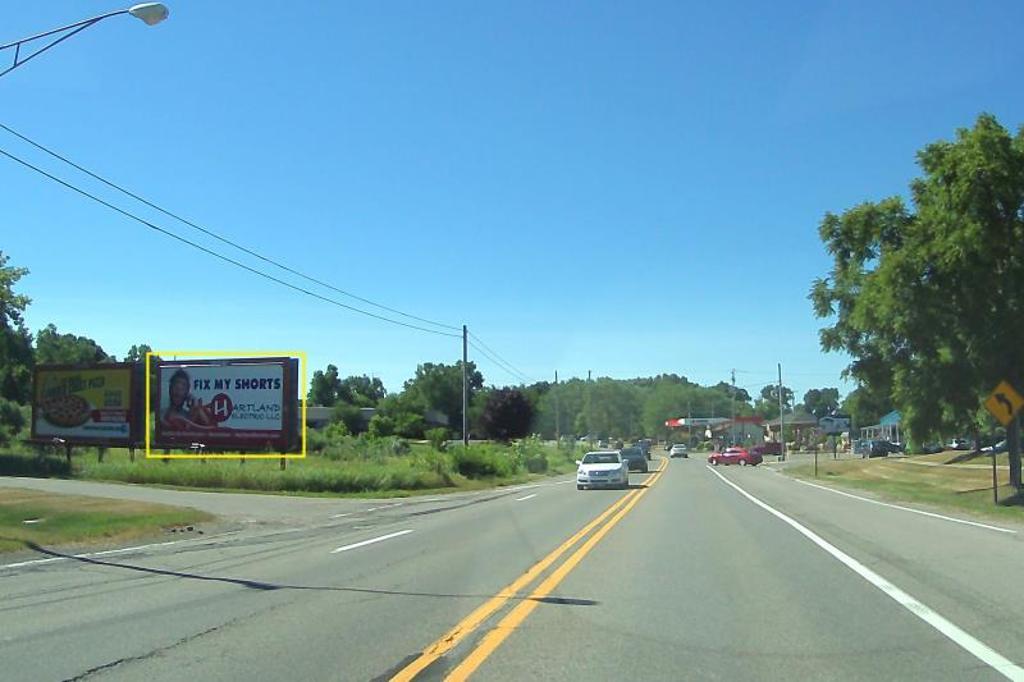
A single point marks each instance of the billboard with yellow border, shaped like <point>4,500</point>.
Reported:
<point>225,404</point>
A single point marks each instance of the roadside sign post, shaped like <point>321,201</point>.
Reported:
<point>1004,403</point>
<point>995,483</point>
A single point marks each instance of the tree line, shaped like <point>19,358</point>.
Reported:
<point>429,404</point>
<point>602,408</point>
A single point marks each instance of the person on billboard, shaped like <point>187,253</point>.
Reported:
<point>184,412</point>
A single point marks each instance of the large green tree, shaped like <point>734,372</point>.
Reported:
<point>929,300</point>
<point>821,401</point>
<point>16,357</point>
<point>362,391</point>
<point>324,387</point>
<point>52,347</point>
<point>438,386</point>
<point>767,403</point>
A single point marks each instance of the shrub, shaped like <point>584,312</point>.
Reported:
<point>438,438</point>
<point>537,463</point>
<point>483,461</point>
<point>27,465</point>
<point>350,415</point>
<point>440,463</point>
<point>336,432</point>
<point>409,425</point>
<point>381,426</point>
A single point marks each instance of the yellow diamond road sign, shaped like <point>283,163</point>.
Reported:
<point>1004,402</point>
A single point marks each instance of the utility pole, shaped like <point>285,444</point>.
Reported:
<point>558,438</point>
<point>732,407</point>
<point>782,435</point>
<point>465,387</point>
<point>689,424</point>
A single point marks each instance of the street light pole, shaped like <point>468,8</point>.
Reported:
<point>150,13</point>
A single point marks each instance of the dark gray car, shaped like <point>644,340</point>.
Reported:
<point>635,458</point>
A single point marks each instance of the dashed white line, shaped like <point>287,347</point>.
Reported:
<point>364,543</point>
<point>953,519</point>
<point>973,646</point>
<point>526,497</point>
<point>338,516</point>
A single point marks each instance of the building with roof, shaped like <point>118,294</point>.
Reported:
<point>887,428</point>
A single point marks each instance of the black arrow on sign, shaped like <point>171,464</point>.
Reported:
<point>1001,398</point>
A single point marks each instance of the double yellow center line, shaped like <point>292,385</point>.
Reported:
<point>493,639</point>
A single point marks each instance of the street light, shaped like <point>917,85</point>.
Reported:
<point>151,13</point>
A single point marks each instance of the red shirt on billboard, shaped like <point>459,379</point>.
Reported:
<point>186,413</point>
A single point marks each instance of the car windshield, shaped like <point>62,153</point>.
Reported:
<point>632,453</point>
<point>601,458</point>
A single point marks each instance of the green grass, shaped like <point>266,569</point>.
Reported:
<point>77,520</point>
<point>349,466</point>
<point>948,487</point>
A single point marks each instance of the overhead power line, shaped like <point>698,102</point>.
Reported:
<point>222,239</point>
<point>493,356</point>
<point>217,255</point>
<point>510,371</point>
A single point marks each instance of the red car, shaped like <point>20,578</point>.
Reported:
<point>734,456</point>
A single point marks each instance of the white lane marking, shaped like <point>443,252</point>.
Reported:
<point>908,509</point>
<point>87,555</point>
<point>975,647</point>
<point>526,497</point>
<point>364,543</point>
<point>371,509</point>
<point>338,516</point>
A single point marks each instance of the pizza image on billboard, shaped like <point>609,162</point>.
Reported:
<point>235,404</point>
<point>84,404</point>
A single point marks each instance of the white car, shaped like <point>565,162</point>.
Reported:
<point>679,450</point>
<point>604,469</point>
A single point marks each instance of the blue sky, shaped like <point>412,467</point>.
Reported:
<point>630,188</point>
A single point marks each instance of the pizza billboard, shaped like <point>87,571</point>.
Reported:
<point>86,404</point>
<point>235,405</point>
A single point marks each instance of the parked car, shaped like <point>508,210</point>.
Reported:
<point>931,448</point>
<point>883,448</point>
<point>958,444</point>
<point>602,469</point>
<point>634,458</point>
<point>734,455</point>
<point>998,447</point>
<point>771,448</point>
<point>679,450</point>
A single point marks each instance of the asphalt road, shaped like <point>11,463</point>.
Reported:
<point>687,578</point>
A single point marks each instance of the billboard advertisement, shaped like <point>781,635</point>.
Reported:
<point>86,404</point>
<point>232,404</point>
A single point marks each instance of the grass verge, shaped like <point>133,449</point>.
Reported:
<point>947,487</point>
<point>48,519</point>
<point>349,466</point>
